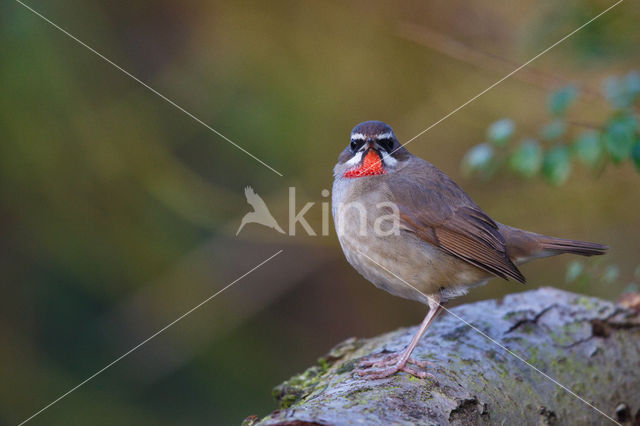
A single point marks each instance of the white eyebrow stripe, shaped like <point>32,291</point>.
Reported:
<point>387,135</point>
<point>358,136</point>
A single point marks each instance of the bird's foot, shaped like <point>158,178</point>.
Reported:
<point>380,366</point>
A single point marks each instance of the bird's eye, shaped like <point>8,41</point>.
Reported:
<point>356,144</point>
<point>386,144</point>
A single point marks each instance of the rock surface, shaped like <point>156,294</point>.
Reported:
<point>588,345</point>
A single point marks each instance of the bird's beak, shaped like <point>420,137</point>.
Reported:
<point>373,145</point>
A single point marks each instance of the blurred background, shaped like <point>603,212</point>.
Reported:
<point>118,212</point>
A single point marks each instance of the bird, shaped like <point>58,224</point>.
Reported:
<point>260,213</point>
<point>437,243</point>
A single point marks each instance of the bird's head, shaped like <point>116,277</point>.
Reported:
<point>373,150</point>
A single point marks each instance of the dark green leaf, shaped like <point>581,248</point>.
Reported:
<point>478,158</point>
<point>557,164</point>
<point>588,147</point>
<point>635,155</point>
<point>619,136</point>
<point>527,158</point>
<point>561,99</point>
<point>500,132</point>
<point>553,130</point>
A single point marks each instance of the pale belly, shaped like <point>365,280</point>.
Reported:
<point>401,263</point>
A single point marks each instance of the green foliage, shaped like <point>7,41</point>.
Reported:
<point>560,100</point>
<point>622,92</point>
<point>478,159</point>
<point>588,148</point>
<point>557,164</point>
<point>620,135</point>
<point>635,155</point>
<point>611,274</point>
<point>585,272</point>
<point>561,141</point>
<point>574,271</point>
<point>527,158</point>
<point>500,132</point>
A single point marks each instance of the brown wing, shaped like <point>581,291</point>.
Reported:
<point>439,212</point>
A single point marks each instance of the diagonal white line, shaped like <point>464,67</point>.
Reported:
<point>149,338</point>
<point>146,86</point>
<point>505,77</point>
<point>496,342</point>
<point>511,73</point>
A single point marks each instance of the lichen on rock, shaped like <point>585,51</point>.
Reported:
<point>589,345</point>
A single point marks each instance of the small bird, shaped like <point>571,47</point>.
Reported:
<point>260,213</point>
<point>443,243</point>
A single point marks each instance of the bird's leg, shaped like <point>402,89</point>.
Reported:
<point>402,361</point>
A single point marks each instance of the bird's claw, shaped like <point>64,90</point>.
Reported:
<point>392,359</point>
<point>369,368</point>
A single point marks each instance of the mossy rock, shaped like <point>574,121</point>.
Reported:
<point>588,345</point>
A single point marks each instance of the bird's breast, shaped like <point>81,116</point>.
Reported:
<point>389,256</point>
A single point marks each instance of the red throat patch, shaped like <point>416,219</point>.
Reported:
<point>371,166</point>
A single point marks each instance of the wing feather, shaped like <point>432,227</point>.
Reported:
<point>439,212</point>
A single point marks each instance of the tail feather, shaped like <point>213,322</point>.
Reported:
<point>583,248</point>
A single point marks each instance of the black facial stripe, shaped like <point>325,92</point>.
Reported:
<point>386,143</point>
<point>356,144</point>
